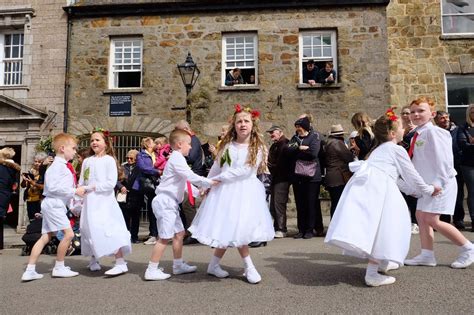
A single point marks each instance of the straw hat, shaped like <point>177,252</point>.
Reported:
<point>336,130</point>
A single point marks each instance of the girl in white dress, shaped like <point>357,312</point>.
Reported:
<point>103,229</point>
<point>235,212</point>
<point>372,220</point>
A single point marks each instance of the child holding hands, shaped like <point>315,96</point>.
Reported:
<point>169,194</point>
<point>59,189</point>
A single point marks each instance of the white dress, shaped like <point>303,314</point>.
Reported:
<point>372,219</point>
<point>235,212</point>
<point>103,229</point>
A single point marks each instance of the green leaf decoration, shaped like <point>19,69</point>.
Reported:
<point>225,158</point>
<point>86,174</point>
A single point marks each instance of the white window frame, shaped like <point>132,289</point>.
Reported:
<point>226,68</point>
<point>135,66</point>
<point>316,58</point>
<point>449,106</point>
<point>456,5</point>
<point>4,60</point>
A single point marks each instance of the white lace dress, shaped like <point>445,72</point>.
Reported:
<point>235,212</point>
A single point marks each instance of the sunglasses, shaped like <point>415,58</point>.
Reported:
<point>130,158</point>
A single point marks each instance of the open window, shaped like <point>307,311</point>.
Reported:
<point>239,59</point>
<point>125,67</point>
<point>459,94</point>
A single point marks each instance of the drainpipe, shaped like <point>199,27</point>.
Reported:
<point>66,78</point>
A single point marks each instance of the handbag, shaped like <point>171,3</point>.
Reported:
<point>121,197</point>
<point>305,168</point>
<point>266,180</point>
<point>148,184</point>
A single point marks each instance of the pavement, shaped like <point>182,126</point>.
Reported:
<point>299,276</point>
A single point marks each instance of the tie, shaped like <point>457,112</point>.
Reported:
<point>190,193</point>
<point>412,145</point>
<point>71,168</point>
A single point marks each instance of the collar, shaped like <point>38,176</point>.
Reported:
<point>60,159</point>
<point>423,128</point>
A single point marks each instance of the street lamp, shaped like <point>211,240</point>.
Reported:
<point>189,74</point>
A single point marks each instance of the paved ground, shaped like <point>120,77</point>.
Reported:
<point>299,276</point>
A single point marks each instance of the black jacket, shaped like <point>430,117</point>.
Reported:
<point>8,177</point>
<point>313,141</point>
<point>467,149</point>
<point>278,163</point>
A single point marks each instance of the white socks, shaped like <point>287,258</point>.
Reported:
<point>31,267</point>
<point>372,269</point>
<point>152,265</point>
<point>248,262</point>
<point>120,261</point>
<point>177,262</point>
<point>214,261</point>
<point>467,246</point>
<point>59,264</point>
<point>427,253</point>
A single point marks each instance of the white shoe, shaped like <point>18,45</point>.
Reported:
<point>415,229</point>
<point>64,272</point>
<point>94,266</point>
<point>421,260</point>
<point>464,260</point>
<point>377,280</point>
<point>252,275</point>
<point>217,271</point>
<point>183,268</point>
<point>387,265</point>
<point>150,241</point>
<point>117,270</point>
<point>156,274</point>
<point>280,234</point>
<point>30,275</point>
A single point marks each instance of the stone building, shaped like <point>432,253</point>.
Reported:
<point>431,45</point>
<point>123,72</point>
<point>32,72</point>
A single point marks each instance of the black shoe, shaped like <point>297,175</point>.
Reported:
<point>190,241</point>
<point>298,236</point>
<point>459,225</point>
<point>135,241</point>
<point>320,234</point>
<point>308,235</point>
<point>257,244</point>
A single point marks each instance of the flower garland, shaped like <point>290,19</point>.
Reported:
<point>391,114</point>
<point>105,132</point>
<point>253,112</point>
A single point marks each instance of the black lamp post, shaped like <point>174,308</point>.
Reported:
<point>189,74</point>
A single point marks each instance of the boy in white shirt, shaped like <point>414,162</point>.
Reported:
<point>59,189</point>
<point>169,194</point>
<point>431,152</point>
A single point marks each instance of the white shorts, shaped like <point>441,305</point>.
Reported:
<point>166,211</point>
<point>441,204</point>
<point>54,215</point>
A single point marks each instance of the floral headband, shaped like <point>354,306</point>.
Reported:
<point>253,112</point>
<point>390,114</point>
<point>105,132</point>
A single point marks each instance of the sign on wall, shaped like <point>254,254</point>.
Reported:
<point>120,105</point>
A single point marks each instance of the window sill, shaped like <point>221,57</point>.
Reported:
<point>456,36</point>
<point>123,90</point>
<point>240,87</point>
<point>318,86</point>
<point>14,87</point>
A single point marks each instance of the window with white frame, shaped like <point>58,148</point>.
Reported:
<point>460,93</point>
<point>317,47</point>
<point>239,59</point>
<point>11,57</point>
<point>458,17</point>
<point>125,63</point>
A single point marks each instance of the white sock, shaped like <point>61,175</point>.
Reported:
<point>467,246</point>
<point>177,262</point>
<point>59,264</point>
<point>427,253</point>
<point>248,262</point>
<point>120,261</point>
<point>214,261</point>
<point>152,265</point>
<point>31,267</point>
<point>94,260</point>
<point>372,269</point>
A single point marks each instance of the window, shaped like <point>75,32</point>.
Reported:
<point>125,63</point>
<point>11,57</point>
<point>460,93</point>
<point>239,52</point>
<point>458,16</point>
<point>318,47</point>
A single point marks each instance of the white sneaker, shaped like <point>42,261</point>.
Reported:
<point>64,272</point>
<point>415,229</point>
<point>156,274</point>
<point>150,241</point>
<point>377,280</point>
<point>94,266</point>
<point>217,271</point>
<point>252,275</point>
<point>117,270</point>
<point>464,260</point>
<point>387,265</point>
<point>183,268</point>
<point>280,234</point>
<point>421,260</point>
<point>30,275</point>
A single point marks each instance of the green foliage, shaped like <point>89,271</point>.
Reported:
<point>45,145</point>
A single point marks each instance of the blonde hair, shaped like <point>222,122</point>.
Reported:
<point>178,135</point>
<point>161,140</point>
<point>256,143</point>
<point>362,122</point>
<point>145,141</point>
<point>7,153</point>
<point>62,139</point>
<point>468,116</point>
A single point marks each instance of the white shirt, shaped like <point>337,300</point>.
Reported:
<point>433,155</point>
<point>59,181</point>
<point>175,175</point>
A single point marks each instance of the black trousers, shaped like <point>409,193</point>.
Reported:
<point>308,214</point>
<point>131,212</point>
<point>151,217</point>
<point>33,207</point>
<point>335,193</point>
<point>278,201</point>
<point>459,208</point>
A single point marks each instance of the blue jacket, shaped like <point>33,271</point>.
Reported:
<point>145,166</point>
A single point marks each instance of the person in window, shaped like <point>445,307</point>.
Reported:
<point>252,79</point>
<point>234,77</point>
<point>310,73</point>
<point>328,74</point>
